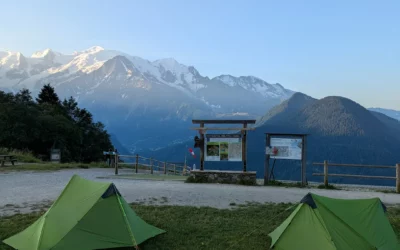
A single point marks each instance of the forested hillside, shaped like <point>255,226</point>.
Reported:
<point>339,130</point>
<point>39,124</point>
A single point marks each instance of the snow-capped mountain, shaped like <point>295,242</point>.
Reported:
<point>131,94</point>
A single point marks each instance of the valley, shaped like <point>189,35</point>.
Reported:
<point>147,107</point>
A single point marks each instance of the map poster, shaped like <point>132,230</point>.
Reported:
<point>287,148</point>
<point>223,147</point>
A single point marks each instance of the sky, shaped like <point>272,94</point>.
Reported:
<point>320,48</point>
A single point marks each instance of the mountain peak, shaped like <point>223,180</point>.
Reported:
<point>170,64</point>
<point>41,53</point>
<point>338,116</point>
<point>93,49</point>
<point>300,96</point>
<point>287,108</point>
<point>233,80</point>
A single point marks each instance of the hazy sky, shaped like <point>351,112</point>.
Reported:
<point>321,48</point>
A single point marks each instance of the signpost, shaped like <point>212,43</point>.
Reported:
<point>286,147</point>
<point>223,147</point>
<point>55,155</point>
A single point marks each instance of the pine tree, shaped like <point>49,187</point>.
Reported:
<point>48,95</point>
<point>24,97</point>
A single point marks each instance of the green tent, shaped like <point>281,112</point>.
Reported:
<point>320,222</point>
<point>87,215</point>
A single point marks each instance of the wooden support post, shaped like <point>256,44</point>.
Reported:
<point>266,163</point>
<point>202,148</point>
<point>326,173</point>
<point>151,165</point>
<point>244,147</point>
<point>116,164</point>
<point>398,178</point>
<point>304,162</point>
<point>174,169</point>
<point>137,163</point>
<point>165,167</point>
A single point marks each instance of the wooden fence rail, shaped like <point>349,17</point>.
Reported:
<point>325,174</point>
<point>151,164</point>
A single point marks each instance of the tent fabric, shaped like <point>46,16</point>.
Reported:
<point>87,215</point>
<point>321,222</point>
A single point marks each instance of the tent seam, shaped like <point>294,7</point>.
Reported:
<point>45,215</point>
<point>78,220</point>
<point>126,221</point>
<point>320,218</point>
<point>279,237</point>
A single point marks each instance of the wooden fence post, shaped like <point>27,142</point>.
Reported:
<point>398,178</point>
<point>165,167</point>
<point>151,165</point>
<point>326,173</point>
<point>137,163</point>
<point>116,164</point>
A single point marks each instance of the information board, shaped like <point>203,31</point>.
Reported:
<point>223,147</point>
<point>286,148</point>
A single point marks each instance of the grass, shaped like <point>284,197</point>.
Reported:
<point>243,227</point>
<point>27,161</point>
<point>204,179</point>
<point>48,166</point>
<point>285,184</point>
<point>386,191</point>
<point>322,186</point>
<point>190,227</point>
<point>21,156</point>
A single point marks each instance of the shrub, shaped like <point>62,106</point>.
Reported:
<point>22,156</point>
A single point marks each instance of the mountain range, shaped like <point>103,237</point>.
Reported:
<point>144,104</point>
<point>147,106</point>
<point>389,112</point>
<point>339,130</point>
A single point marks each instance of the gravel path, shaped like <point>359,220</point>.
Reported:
<point>29,191</point>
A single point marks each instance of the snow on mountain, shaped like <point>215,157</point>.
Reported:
<point>17,72</point>
<point>51,56</point>
<point>255,84</point>
<point>131,94</point>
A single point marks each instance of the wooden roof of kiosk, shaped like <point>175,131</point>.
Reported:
<point>244,122</point>
<point>242,129</point>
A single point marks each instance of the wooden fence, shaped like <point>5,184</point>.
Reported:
<point>151,164</point>
<point>326,174</point>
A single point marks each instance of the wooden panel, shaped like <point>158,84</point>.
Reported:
<point>244,147</point>
<point>288,135</point>
<point>223,121</point>
<point>356,176</point>
<point>351,165</point>
<point>223,129</point>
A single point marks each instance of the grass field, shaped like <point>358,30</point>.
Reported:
<point>51,166</point>
<point>21,156</point>
<point>245,227</point>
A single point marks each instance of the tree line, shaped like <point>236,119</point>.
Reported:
<point>46,122</point>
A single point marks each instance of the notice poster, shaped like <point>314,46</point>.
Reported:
<point>223,147</point>
<point>287,148</point>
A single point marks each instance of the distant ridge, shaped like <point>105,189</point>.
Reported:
<point>389,112</point>
<point>340,131</point>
